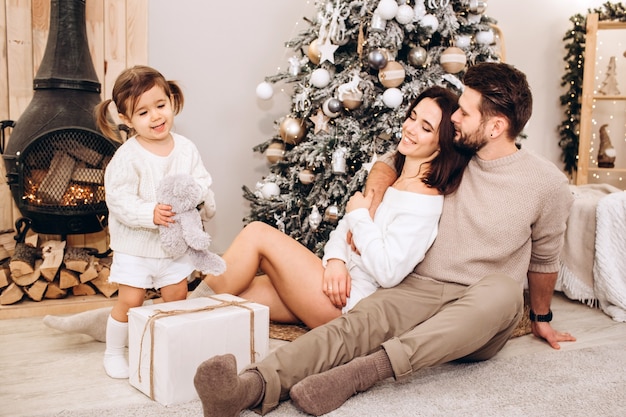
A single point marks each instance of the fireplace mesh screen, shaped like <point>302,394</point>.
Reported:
<point>63,172</point>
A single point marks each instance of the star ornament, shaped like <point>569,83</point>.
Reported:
<point>327,52</point>
<point>321,121</point>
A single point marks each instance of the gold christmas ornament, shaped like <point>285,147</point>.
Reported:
<point>331,214</point>
<point>352,100</point>
<point>453,60</point>
<point>292,130</point>
<point>392,75</point>
<point>275,152</point>
<point>306,176</point>
<point>314,53</point>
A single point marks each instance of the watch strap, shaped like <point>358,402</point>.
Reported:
<point>546,318</point>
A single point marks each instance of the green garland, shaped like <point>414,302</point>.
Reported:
<point>573,79</point>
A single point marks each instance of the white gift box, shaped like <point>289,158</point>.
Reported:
<point>168,341</point>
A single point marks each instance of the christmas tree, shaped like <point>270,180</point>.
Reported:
<point>609,85</point>
<point>353,72</point>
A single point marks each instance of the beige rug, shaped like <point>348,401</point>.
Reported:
<point>584,382</point>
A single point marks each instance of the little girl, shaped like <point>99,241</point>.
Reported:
<point>146,103</point>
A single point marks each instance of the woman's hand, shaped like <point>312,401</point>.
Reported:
<point>163,215</point>
<point>336,282</point>
<point>358,200</point>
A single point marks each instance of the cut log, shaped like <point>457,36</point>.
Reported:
<point>11,295</point>
<point>7,240</point>
<point>68,279</point>
<point>4,254</point>
<point>23,260</point>
<point>77,259</point>
<point>105,263</point>
<point>88,176</point>
<point>36,291</point>
<point>54,292</point>
<point>103,285</point>
<point>81,152</point>
<point>83,289</point>
<point>4,277</point>
<point>54,185</point>
<point>28,279</point>
<point>52,253</point>
<point>90,273</point>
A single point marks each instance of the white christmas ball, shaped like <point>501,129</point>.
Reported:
<point>270,189</point>
<point>485,37</point>
<point>264,90</point>
<point>387,9</point>
<point>430,21</point>
<point>477,6</point>
<point>474,18</point>
<point>419,10</point>
<point>392,97</point>
<point>320,78</point>
<point>405,14</point>
<point>463,41</point>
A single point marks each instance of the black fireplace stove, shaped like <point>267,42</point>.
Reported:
<point>55,156</point>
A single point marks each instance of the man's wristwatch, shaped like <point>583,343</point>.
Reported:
<point>546,318</point>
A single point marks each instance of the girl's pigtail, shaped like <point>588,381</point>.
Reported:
<point>178,100</point>
<point>104,121</point>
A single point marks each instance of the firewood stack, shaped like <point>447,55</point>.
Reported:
<point>53,271</point>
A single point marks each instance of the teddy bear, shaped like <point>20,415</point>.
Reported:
<point>186,234</point>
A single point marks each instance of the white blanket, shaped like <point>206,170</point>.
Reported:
<point>575,278</point>
<point>609,269</point>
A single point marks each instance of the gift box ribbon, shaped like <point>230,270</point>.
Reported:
<point>159,314</point>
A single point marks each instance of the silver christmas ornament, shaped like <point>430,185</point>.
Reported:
<point>332,107</point>
<point>315,218</point>
<point>378,23</point>
<point>339,161</point>
<point>377,58</point>
<point>417,56</point>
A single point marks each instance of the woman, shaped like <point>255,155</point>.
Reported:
<point>299,287</point>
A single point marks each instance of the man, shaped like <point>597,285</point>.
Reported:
<point>504,224</point>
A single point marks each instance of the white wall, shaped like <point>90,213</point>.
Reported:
<point>533,33</point>
<point>220,51</point>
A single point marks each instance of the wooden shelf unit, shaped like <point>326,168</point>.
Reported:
<point>589,98</point>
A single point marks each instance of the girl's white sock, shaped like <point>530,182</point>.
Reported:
<point>115,362</point>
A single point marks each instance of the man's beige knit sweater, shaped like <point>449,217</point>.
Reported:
<point>508,216</point>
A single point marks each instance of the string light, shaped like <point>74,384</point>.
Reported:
<point>569,130</point>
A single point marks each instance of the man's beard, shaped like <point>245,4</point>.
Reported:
<point>469,144</point>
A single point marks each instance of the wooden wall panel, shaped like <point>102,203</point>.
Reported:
<point>117,32</point>
<point>41,28</point>
<point>137,30</point>
<point>4,76</point>
<point>19,55</point>
<point>94,17</point>
<point>114,42</point>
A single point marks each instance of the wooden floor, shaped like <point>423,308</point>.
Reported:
<point>46,371</point>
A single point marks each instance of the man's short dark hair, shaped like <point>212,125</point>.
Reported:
<point>505,92</point>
